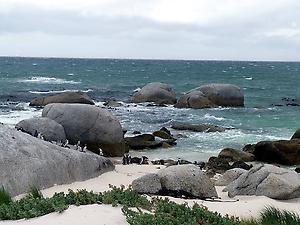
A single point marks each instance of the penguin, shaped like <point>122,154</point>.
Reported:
<point>84,148</point>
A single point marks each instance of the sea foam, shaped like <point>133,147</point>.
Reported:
<point>48,80</point>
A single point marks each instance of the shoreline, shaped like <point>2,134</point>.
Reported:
<point>245,207</point>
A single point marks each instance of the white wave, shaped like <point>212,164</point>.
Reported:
<point>137,89</point>
<point>211,117</point>
<point>48,80</point>
<point>249,78</point>
<point>13,117</point>
<point>62,91</point>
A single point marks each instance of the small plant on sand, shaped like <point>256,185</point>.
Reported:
<point>5,197</point>
<point>34,192</point>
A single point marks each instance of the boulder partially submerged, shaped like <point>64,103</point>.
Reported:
<point>197,127</point>
<point>96,127</point>
<point>66,97</point>
<point>26,161</point>
<point>212,95</point>
<point>156,92</point>
<point>48,128</point>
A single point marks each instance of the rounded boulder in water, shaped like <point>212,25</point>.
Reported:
<point>90,125</point>
<point>157,92</point>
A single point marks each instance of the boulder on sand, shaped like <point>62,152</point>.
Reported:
<point>90,125</point>
<point>180,180</point>
<point>296,135</point>
<point>266,180</point>
<point>50,129</point>
<point>26,161</point>
<point>156,92</point>
<point>66,97</point>
<point>212,95</point>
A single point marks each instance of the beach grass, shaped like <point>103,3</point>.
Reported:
<point>138,209</point>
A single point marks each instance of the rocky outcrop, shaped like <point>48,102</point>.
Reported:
<point>49,129</point>
<point>90,125</point>
<point>179,181</point>
<point>267,180</point>
<point>66,97</point>
<point>26,161</point>
<point>286,152</point>
<point>212,95</point>
<point>197,127</point>
<point>156,92</point>
<point>236,155</point>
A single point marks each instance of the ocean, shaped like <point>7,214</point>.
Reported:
<point>265,84</point>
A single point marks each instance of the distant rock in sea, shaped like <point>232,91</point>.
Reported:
<point>66,97</point>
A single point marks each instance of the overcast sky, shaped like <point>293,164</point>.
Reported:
<point>162,29</point>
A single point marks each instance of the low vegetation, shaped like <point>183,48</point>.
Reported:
<point>138,209</point>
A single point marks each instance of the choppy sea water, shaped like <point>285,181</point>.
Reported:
<point>264,85</point>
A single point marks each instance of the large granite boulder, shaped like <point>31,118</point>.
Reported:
<point>26,161</point>
<point>266,180</point>
<point>178,181</point>
<point>236,155</point>
<point>66,97</point>
<point>197,127</point>
<point>286,152</point>
<point>50,129</point>
<point>229,176</point>
<point>147,184</point>
<point>296,135</point>
<point>187,180</point>
<point>212,95</point>
<point>194,99</point>
<point>90,125</point>
<point>156,92</point>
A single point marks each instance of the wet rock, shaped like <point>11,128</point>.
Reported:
<point>112,104</point>
<point>212,95</point>
<point>286,152</point>
<point>249,148</point>
<point>66,97</point>
<point>219,165</point>
<point>156,92</point>
<point>241,165</point>
<point>236,155</point>
<point>197,128</point>
<point>296,135</point>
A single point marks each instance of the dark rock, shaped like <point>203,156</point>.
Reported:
<point>297,169</point>
<point>296,135</point>
<point>197,128</point>
<point>66,97</point>
<point>165,130</point>
<point>236,155</point>
<point>90,125</point>
<point>241,165</point>
<point>249,148</point>
<point>286,152</point>
<point>136,132</point>
<point>162,134</point>
<point>156,92</point>
<point>49,129</point>
<point>219,165</point>
<point>112,104</point>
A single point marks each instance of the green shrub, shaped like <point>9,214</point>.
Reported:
<point>34,192</point>
<point>273,216</point>
<point>5,197</point>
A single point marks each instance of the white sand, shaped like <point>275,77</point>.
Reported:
<point>247,206</point>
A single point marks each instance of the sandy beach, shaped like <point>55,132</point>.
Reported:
<point>246,206</point>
